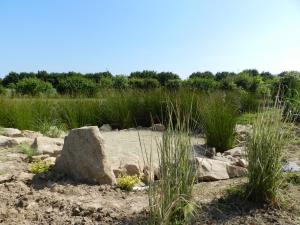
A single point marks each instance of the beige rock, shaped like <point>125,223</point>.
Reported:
<point>31,134</point>
<point>24,140</point>
<point>132,169</point>
<point>7,142</point>
<point>236,171</point>
<point>158,127</point>
<point>237,151</point>
<point>242,163</point>
<point>10,132</point>
<point>211,170</point>
<point>50,146</point>
<point>84,158</point>
<point>119,172</point>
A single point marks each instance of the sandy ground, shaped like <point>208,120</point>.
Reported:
<point>47,199</point>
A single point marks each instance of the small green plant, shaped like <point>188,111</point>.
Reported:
<point>47,128</point>
<point>127,182</point>
<point>39,167</point>
<point>27,150</point>
<point>293,178</point>
<point>218,118</point>
<point>265,148</point>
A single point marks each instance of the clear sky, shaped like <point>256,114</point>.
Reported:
<point>182,36</point>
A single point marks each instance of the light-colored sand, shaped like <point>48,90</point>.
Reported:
<point>125,146</point>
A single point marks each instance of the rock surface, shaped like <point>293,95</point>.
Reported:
<point>84,158</point>
<point>237,151</point>
<point>158,127</point>
<point>105,127</point>
<point>50,146</point>
<point>204,150</point>
<point>7,142</point>
<point>291,167</point>
<point>10,132</point>
<point>211,170</point>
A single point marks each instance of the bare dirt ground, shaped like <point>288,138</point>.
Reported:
<point>49,199</point>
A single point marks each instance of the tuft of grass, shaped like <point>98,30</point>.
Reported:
<point>127,182</point>
<point>293,178</point>
<point>39,167</point>
<point>218,118</point>
<point>265,149</point>
<point>170,198</point>
<point>27,150</point>
<point>246,118</point>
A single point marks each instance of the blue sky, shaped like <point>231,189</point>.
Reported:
<point>163,35</point>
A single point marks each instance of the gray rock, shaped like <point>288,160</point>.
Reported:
<point>105,127</point>
<point>7,142</point>
<point>211,170</point>
<point>84,158</point>
<point>10,132</point>
<point>236,152</point>
<point>204,150</point>
<point>291,167</point>
<point>47,145</point>
<point>158,127</point>
<point>236,171</point>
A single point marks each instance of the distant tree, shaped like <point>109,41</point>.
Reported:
<point>222,75</point>
<point>164,77</point>
<point>2,90</point>
<point>144,74</point>
<point>120,82</point>
<point>77,85</point>
<point>204,84</point>
<point>11,78</point>
<point>33,86</point>
<point>173,84</point>
<point>98,76</point>
<point>206,75</point>
<point>251,72</point>
<point>106,83</point>
<point>266,75</point>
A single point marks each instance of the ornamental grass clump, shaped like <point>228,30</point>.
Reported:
<point>218,117</point>
<point>265,149</point>
<point>170,198</point>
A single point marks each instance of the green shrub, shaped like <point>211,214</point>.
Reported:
<point>164,77</point>
<point>170,198</point>
<point>293,178</point>
<point>127,182</point>
<point>174,84</point>
<point>249,102</point>
<point>27,150</point>
<point>76,86</point>
<point>106,83</point>
<point>145,84</point>
<point>33,86</point>
<point>264,152</point>
<point>120,82</point>
<point>50,128</point>
<point>39,167</point>
<point>2,90</point>
<point>218,118</point>
<point>204,84</point>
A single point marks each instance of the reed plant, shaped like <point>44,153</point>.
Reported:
<point>218,116</point>
<point>170,198</point>
<point>265,149</point>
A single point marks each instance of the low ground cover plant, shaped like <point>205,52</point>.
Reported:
<point>28,151</point>
<point>39,167</point>
<point>127,182</point>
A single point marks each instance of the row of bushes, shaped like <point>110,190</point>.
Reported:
<point>78,85</point>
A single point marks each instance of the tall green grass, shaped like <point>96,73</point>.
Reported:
<point>218,116</point>
<point>121,109</point>
<point>170,198</point>
<point>265,149</point>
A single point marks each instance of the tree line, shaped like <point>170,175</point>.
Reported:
<point>73,83</point>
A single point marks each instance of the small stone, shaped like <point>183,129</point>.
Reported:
<point>291,167</point>
<point>105,127</point>
<point>158,127</point>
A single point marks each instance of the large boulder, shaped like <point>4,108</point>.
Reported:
<point>84,158</point>
<point>236,152</point>
<point>7,142</point>
<point>10,132</point>
<point>50,146</point>
<point>211,170</point>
